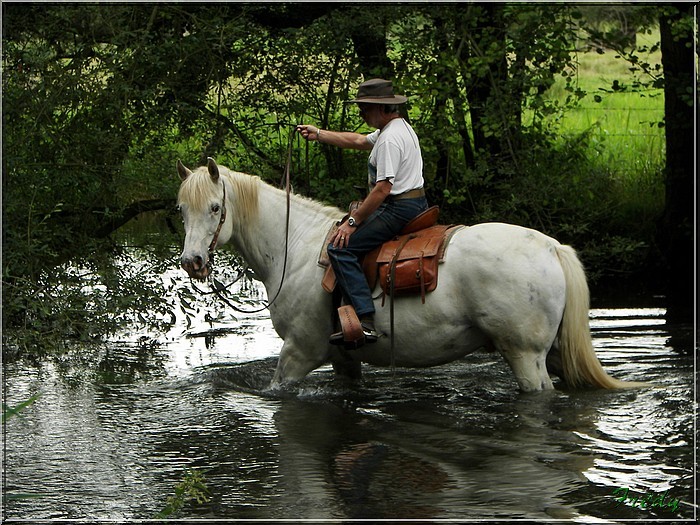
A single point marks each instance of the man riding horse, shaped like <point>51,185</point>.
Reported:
<point>395,174</point>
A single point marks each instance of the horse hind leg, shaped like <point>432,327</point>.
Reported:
<point>530,369</point>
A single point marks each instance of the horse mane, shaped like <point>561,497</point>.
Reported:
<point>198,191</point>
<point>245,193</point>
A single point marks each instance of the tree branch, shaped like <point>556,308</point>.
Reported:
<point>116,221</point>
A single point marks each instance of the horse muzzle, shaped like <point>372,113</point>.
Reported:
<point>196,267</point>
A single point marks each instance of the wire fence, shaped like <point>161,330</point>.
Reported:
<point>628,139</point>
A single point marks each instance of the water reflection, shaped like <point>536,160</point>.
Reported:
<point>114,431</point>
<point>434,468</point>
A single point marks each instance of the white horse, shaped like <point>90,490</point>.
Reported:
<point>501,287</point>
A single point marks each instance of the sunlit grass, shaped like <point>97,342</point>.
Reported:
<point>623,127</point>
<point>626,121</point>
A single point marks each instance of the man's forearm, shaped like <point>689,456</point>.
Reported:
<point>372,201</point>
<point>344,139</point>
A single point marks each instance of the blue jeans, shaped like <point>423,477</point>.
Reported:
<point>384,224</point>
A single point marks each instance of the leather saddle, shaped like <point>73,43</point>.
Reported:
<point>407,264</point>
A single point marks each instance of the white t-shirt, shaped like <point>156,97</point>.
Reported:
<point>396,157</point>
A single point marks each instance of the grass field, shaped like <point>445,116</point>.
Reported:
<point>625,127</point>
<point>626,122</point>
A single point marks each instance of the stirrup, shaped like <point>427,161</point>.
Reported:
<point>354,333</point>
<point>371,336</point>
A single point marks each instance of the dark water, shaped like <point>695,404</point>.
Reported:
<point>115,430</point>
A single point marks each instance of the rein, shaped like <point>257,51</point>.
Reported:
<point>222,220</point>
<point>218,288</point>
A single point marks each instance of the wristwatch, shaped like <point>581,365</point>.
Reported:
<point>352,222</point>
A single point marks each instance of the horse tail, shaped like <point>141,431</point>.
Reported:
<point>579,361</point>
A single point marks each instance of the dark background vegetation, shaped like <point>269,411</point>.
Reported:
<point>99,101</point>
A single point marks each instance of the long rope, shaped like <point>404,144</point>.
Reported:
<point>288,189</point>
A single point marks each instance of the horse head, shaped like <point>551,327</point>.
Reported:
<point>202,202</point>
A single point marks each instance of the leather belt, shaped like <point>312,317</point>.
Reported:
<point>410,194</point>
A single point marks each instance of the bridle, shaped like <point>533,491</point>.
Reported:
<point>217,288</point>
<point>222,220</point>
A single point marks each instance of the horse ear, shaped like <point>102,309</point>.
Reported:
<point>213,169</point>
<point>182,170</point>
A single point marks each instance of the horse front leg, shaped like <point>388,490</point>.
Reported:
<point>347,367</point>
<point>295,362</point>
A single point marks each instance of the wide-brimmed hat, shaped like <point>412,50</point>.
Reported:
<point>377,91</point>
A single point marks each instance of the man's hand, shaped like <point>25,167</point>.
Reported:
<point>308,132</point>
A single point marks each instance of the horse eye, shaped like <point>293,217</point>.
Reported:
<point>215,208</point>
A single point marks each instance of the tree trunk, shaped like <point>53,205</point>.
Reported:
<point>677,225</point>
<point>483,94</point>
<point>369,39</point>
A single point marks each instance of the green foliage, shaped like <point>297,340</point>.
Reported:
<point>100,101</point>
<point>192,488</point>
<point>84,301</point>
<point>9,412</point>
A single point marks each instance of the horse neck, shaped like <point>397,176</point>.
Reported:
<point>261,238</point>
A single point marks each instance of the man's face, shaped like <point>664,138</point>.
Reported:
<point>369,113</point>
